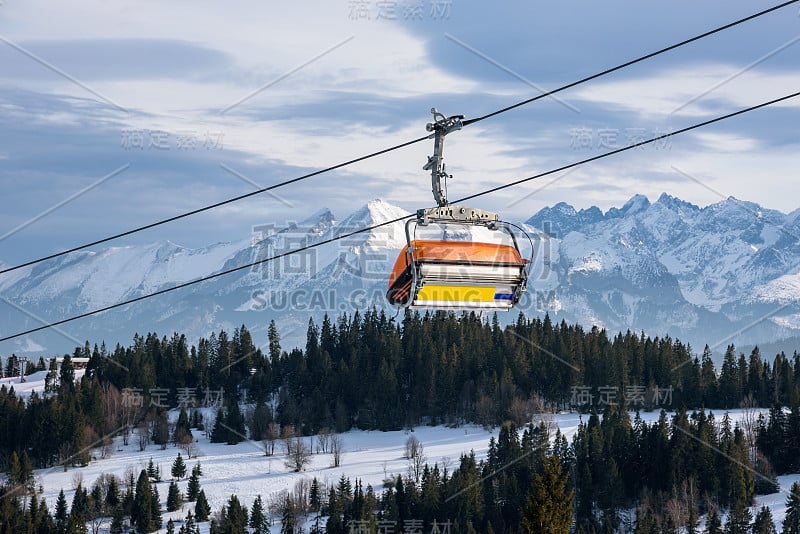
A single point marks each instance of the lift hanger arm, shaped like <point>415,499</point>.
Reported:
<point>440,127</point>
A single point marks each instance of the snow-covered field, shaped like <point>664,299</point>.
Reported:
<point>245,470</point>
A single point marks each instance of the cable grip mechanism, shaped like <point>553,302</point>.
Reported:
<point>440,127</point>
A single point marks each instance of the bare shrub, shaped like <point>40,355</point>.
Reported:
<point>337,448</point>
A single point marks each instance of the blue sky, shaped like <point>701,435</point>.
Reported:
<point>116,114</point>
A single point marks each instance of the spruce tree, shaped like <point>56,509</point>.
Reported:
<point>763,523</point>
<point>193,488</point>
<point>235,422</point>
<point>178,468</point>
<point>161,429</point>
<point>79,511</point>
<point>201,508</point>
<point>314,497</point>
<point>112,494</point>
<point>173,497</point>
<point>549,505</point>
<point>66,377</point>
<point>14,470</point>
<point>151,470</point>
<point>691,522</point>
<point>645,522</point>
<point>197,419</point>
<point>236,515</point>
<point>155,509</point>
<point>189,523</point>
<point>288,520</point>
<point>117,517</point>
<point>62,513</point>
<point>219,433</point>
<point>182,433</point>
<point>26,471</point>
<point>258,522</point>
<point>738,520</point>
<point>96,503</point>
<point>128,498</point>
<point>713,523</point>
<point>142,513</point>
<point>791,523</point>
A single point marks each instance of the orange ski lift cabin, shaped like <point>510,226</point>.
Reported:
<point>457,257</point>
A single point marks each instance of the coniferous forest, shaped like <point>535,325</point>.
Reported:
<point>618,472</point>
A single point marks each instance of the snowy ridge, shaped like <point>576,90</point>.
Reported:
<point>666,267</point>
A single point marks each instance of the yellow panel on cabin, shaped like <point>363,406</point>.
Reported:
<point>457,293</point>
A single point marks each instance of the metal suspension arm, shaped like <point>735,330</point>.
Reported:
<point>440,127</point>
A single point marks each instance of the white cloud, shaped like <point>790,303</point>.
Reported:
<point>693,90</point>
<point>720,142</point>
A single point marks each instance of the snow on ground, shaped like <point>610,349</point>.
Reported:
<point>777,501</point>
<point>33,382</point>
<point>371,456</point>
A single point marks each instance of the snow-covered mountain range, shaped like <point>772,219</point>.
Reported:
<point>728,272</point>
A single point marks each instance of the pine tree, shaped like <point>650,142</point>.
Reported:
<point>26,471</point>
<point>763,523</point>
<point>219,433</point>
<point>128,499</point>
<point>314,498</point>
<point>142,513</point>
<point>62,513</point>
<point>549,506</point>
<point>258,522</point>
<point>201,508</point>
<point>182,433</point>
<point>274,343</point>
<point>713,523</point>
<point>155,509</point>
<point>14,470</point>
<point>791,523</point>
<point>151,470</point>
<point>173,497</point>
<point>51,380</point>
<point>161,429</point>
<point>193,489</point>
<point>79,511</point>
<point>66,377</point>
<point>646,522</point>
<point>112,494</point>
<point>189,523</point>
<point>235,422</point>
<point>691,522</point>
<point>96,503</point>
<point>170,526</point>
<point>738,520</point>
<point>197,420</point>
<point>236,515</point>
<point>117,518</point>
<point>178,468</point>
<point>288,520</point>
